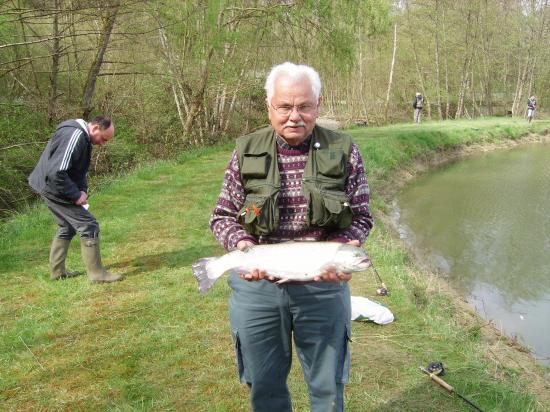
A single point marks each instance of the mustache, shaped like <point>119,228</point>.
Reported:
<point>292,124</point>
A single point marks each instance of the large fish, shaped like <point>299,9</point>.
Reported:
<point>296,261</point>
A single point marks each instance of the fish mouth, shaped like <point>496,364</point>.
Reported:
<point>365,263</point>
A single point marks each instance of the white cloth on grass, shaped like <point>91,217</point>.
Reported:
<point>365,309</point>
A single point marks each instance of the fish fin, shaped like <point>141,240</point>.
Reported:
<point>283,280</point>
<point>205,278</point>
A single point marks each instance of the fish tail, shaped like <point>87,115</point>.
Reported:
<point>205,276</point>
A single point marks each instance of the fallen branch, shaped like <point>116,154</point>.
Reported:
<point>20,144</point>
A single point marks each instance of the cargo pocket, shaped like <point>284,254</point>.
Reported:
<point>344,361</point>
<point>259,215</point>
<point>255,166</point>
<point>238,353</point>
<point>329,209</point>
<point>330,163</point>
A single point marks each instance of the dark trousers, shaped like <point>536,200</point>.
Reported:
<point>417,115</point>
<point>71,219</point>
<point>265,317</point>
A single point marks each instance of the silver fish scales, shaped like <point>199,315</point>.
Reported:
<point>290,261</point>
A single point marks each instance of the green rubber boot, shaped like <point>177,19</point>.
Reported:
<point>92,260</point>
<point>58,254</point>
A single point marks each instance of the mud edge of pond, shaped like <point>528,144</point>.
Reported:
<point>500,349</point>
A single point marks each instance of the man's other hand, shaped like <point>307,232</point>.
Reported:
<point>82,200</point>
<point>331,275</point>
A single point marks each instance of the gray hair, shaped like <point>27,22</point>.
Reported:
<point>295,72</point>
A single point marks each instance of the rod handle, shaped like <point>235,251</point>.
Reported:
<point>438,380</point>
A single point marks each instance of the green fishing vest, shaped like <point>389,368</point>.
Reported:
<point>323,182</point>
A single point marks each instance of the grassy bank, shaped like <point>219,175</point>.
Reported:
<point>152,343</point>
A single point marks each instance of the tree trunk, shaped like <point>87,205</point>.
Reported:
<point>197,103</point>
<point>520,85</point>
<point>465,75</point>
<point>177,90</point>
<point>418,66</point>
<point>364,114</point>
<point>89,88</point>
<point>55,67</point>
<point>391,73</point>
<point>437,71</point>
<point>446,52</point>
<point>28,53</point>
<point>486,88</point>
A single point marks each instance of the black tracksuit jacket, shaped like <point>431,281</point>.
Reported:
<point>61,172</point>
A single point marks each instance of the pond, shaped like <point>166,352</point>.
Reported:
<point>484,224</point>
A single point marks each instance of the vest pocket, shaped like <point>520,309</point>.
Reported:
<point>329,209</point>
<point>259,215</point>
<point>255,166</point>
<point>330,162</point>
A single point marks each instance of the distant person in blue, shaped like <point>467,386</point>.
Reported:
<point>418,104</point>
<point>531,107</point>
<point>60,179</point>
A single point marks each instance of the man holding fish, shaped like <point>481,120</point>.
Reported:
<point>293,181</point>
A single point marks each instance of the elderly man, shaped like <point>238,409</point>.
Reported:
<point>60,179</point>
<point>292,181</point>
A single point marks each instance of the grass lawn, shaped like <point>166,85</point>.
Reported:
<point>152,342</point>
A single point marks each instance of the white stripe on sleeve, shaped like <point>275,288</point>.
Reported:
<point>70,148</point>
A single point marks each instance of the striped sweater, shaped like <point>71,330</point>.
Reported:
<point>292,203</point>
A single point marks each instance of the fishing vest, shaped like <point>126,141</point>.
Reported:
<point>323,183</point>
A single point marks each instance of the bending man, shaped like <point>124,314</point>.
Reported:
<point>60,179</point>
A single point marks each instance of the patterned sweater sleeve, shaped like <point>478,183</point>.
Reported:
<point>223,221</point>
<point>357,190</point>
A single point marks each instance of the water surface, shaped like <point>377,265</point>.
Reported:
<point>485,224</point>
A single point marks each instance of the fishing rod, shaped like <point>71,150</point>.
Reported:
<point>382,290</point>
<point>436,368</point>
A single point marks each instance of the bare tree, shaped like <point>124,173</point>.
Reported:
<point>56,52</point>
<point>537,13</point>
<point>437,58</point>
<point>469,46</point>
<point>390,80</point>
<point>105,34</point>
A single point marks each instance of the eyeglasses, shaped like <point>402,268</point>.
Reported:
<point>286,109</point>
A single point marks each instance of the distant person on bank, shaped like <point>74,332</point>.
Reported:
<point>531,107</point>
<point>418,104</point>
<point>60,179</point>
<point>295,181</point>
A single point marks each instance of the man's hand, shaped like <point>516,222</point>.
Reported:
<point>82,200</point>
<point>242,245</point>
<point>330,275</point>
<point>255,274</point>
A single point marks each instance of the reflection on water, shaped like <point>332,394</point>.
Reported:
<point>485,224</point>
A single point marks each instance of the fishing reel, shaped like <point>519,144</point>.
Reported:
<point>382,291</point>
<point>436,368</point>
